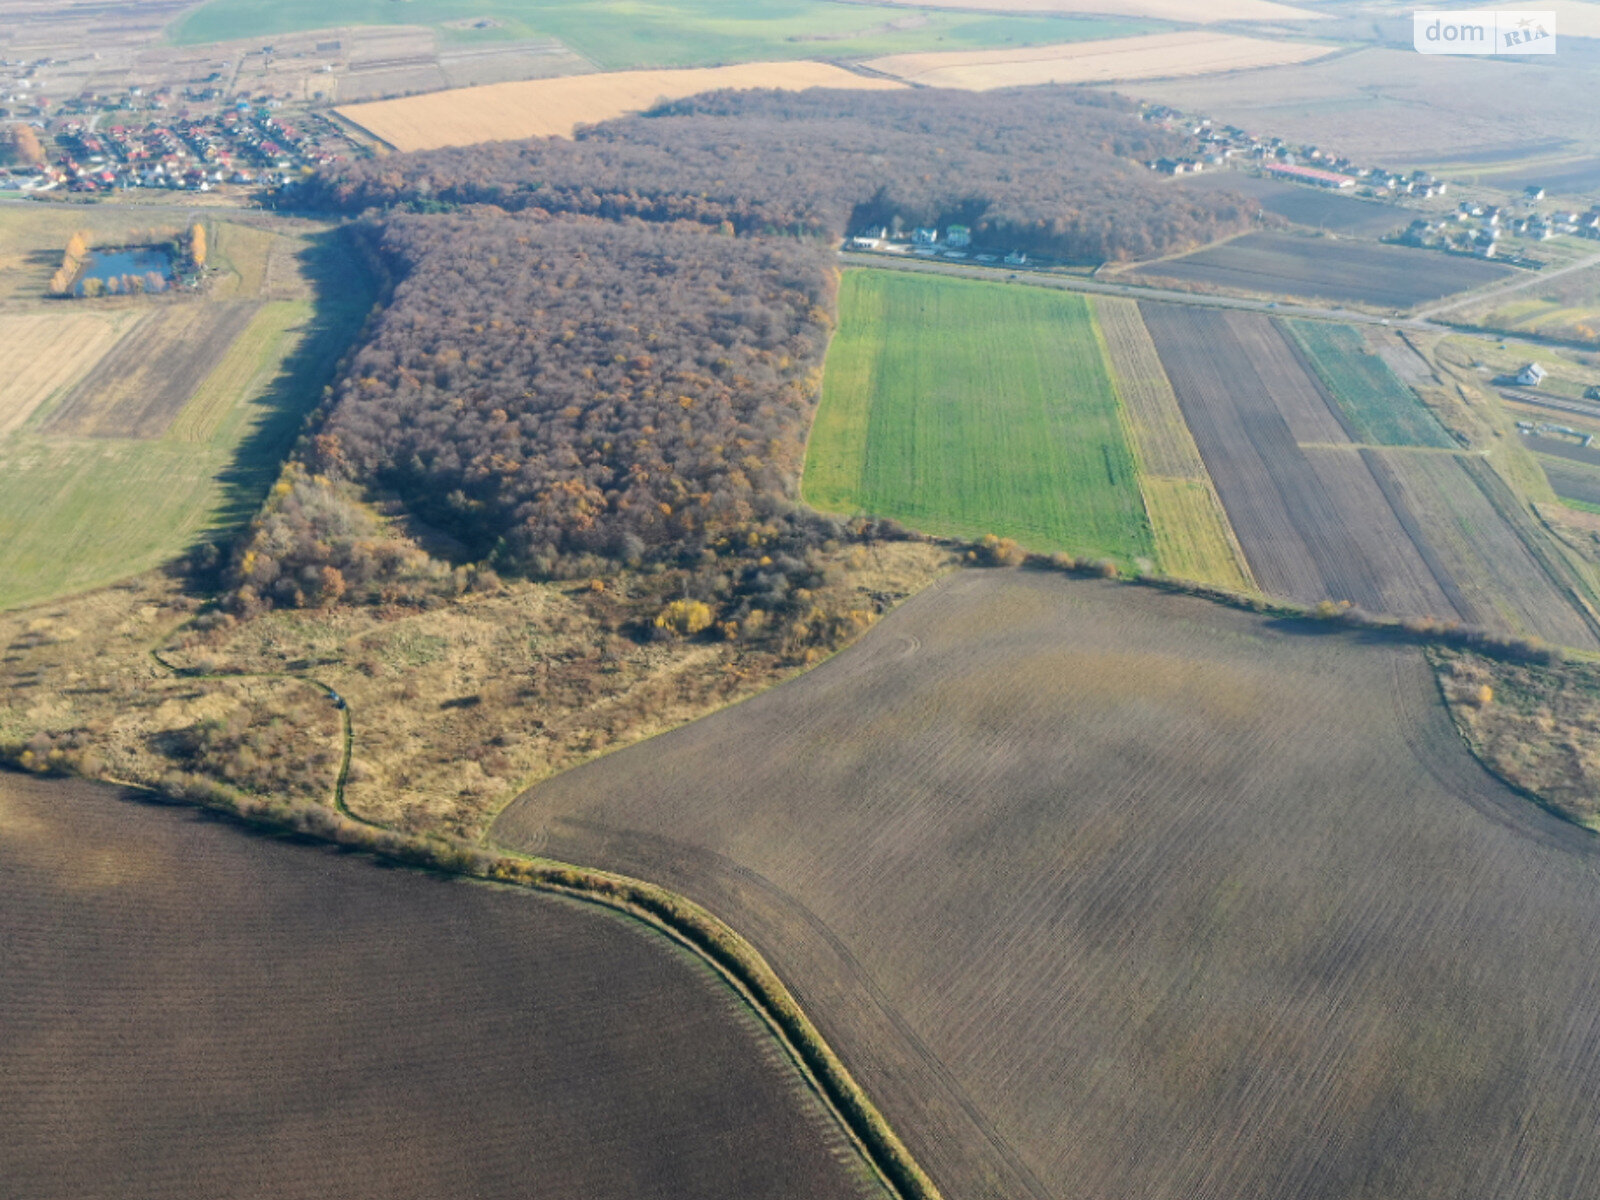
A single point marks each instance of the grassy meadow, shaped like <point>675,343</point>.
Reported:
<point>79,511</point>
<point>964,408</point>
<point>667,33</point>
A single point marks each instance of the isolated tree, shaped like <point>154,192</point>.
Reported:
<point>21,145</point>
<point>197,244</point>
<point>77,246</point>
<point>94,287</point>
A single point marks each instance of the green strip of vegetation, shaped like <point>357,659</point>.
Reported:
<point>963,408</point>
<point>1382,410</point>
<point>616,34</point>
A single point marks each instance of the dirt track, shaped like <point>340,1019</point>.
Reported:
<point>1104,892</point>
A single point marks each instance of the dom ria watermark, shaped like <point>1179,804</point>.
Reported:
<point>1484,31</point>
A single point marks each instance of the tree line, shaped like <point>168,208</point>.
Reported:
<point>607,351</point>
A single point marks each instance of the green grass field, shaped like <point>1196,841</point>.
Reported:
<point>1382,410</point>
<point>964,408</point>
<point>80,512</point>
<point>663,33</point>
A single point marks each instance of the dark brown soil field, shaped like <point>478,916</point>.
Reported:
<point>1571,480</point>
<point>1307,206</point>
<point>1315,525</point>
<point>137,389</point>
<point>1286,264</point>
<point>1104,892</point>
<point>193,1011</point>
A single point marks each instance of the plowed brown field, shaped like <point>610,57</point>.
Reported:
<point>1103,892</point>
<point>1314,525</point>
<point>192,1012</point>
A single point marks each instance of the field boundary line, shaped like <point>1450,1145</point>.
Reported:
<point>719,945</point>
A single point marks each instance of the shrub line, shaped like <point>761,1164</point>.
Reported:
<point>688,924</point>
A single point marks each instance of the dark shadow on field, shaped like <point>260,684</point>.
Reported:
<point>342,292</point>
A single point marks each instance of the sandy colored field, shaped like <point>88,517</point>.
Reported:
<point>1188,11</point>
<point>194,1012</point>
<point>546,107</point>
<point>1107,893</point>
<point>136,391</point>
<point>1155,56</point>
<point>48,351</point>
<point>1191,531</point>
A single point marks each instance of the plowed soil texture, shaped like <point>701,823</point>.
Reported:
<point>1315,525</point>
<point>1285,264</point>
<point>194,1011</point>
<point>1106,892</point>
<point>1314,207</point>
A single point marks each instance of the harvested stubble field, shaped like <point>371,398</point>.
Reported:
<point>1286,264</point>
<point>179,427</point>
<point>1101,891</point>
<point>555,107</point>
<point>1190,529</point>
<point>1156,55</point>
<point>964,408</point>
<point>137,389</point>
<point>60,346</point>
<point>1378,407</point>
<point>193,1012</point>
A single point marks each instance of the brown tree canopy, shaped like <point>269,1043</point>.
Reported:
<point>20,144</point>
<point>556,386</point>
<point>1053,170</point>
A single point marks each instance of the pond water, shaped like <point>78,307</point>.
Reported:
<point>128,261</point>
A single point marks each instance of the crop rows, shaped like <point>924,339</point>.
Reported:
<point>1497,582</point>
<point>137,389</point>
<point>1192,537</point>
<point>965,408</point>
<point>1273,264</point>
<point>1314,524</point>
<point>328,1028</point>
<point>1379,408</point>
<point>1105,892</point>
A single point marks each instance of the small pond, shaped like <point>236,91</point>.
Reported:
<point>151,265</point>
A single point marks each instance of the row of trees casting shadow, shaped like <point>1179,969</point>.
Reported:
<point>609,349</point>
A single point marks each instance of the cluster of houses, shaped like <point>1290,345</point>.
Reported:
<point>1478,228</point>
<point>245,144</point>
<point>924,241</point>
<point>1213,145</point>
